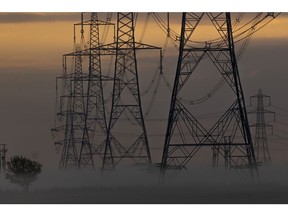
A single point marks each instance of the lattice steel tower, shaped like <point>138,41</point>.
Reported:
<point>3,151</point>
<point>81,108</point>
<point>230,137</point>
<point>260,143</point>
<point>95,110</point>
<point>70,114</point>
<point>126,100</point>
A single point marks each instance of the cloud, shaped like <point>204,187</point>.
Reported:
<point>38,17</point>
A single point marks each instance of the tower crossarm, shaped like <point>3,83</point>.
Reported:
<point>110,49</point>
<point>98,22</point>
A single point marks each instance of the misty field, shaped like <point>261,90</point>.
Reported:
<point>197,185</point>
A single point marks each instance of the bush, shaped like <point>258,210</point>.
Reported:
<point>22,171</point>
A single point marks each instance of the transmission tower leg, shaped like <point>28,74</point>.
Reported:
<point>215,156</point>
<point>240,96</point>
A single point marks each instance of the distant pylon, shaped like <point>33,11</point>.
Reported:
<point>230,137</point>
<point>71,115</point>
<point>95,110</point>
<point>3,150</point>
<point>81,107</point>
<point>70,108</point>
<point>260,143</point>
<point>126,100</point>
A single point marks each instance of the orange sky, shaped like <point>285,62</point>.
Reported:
<point>28,44</point>
<point>31,43</point>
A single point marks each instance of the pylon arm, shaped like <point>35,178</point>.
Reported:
<point>268,111</point>
<point>260,124</point>
<point>98,22</point>
<point>110,49</point>
<point>214,144</point>
<point>206,49</point>
<point>262,111</point>
<point>87,52</point>
<point>145,46</point>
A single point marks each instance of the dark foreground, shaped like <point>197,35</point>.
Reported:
<point>196,186</point>
<point>264,194</point>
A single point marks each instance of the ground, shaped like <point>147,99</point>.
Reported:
<point>196,186</point>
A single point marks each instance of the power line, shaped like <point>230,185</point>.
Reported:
<point>280,108</point>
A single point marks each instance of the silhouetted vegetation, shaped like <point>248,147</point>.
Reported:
<point>23,171</point>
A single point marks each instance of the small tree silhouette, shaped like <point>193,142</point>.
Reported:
<point>22,171</point>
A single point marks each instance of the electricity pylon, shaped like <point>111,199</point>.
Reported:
<point>81,103</point>
<point>260,143</point>
<point>70,114</point>
<point>230,137</point>
<point>107,144</point>
<point>126,100</point>
<point>3,150</point>
<point>95,109</point>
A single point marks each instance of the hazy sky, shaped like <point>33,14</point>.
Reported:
<point>32,45</point>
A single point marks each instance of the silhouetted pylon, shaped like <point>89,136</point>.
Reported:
<point>260,143</point>
<point>230,137</point>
